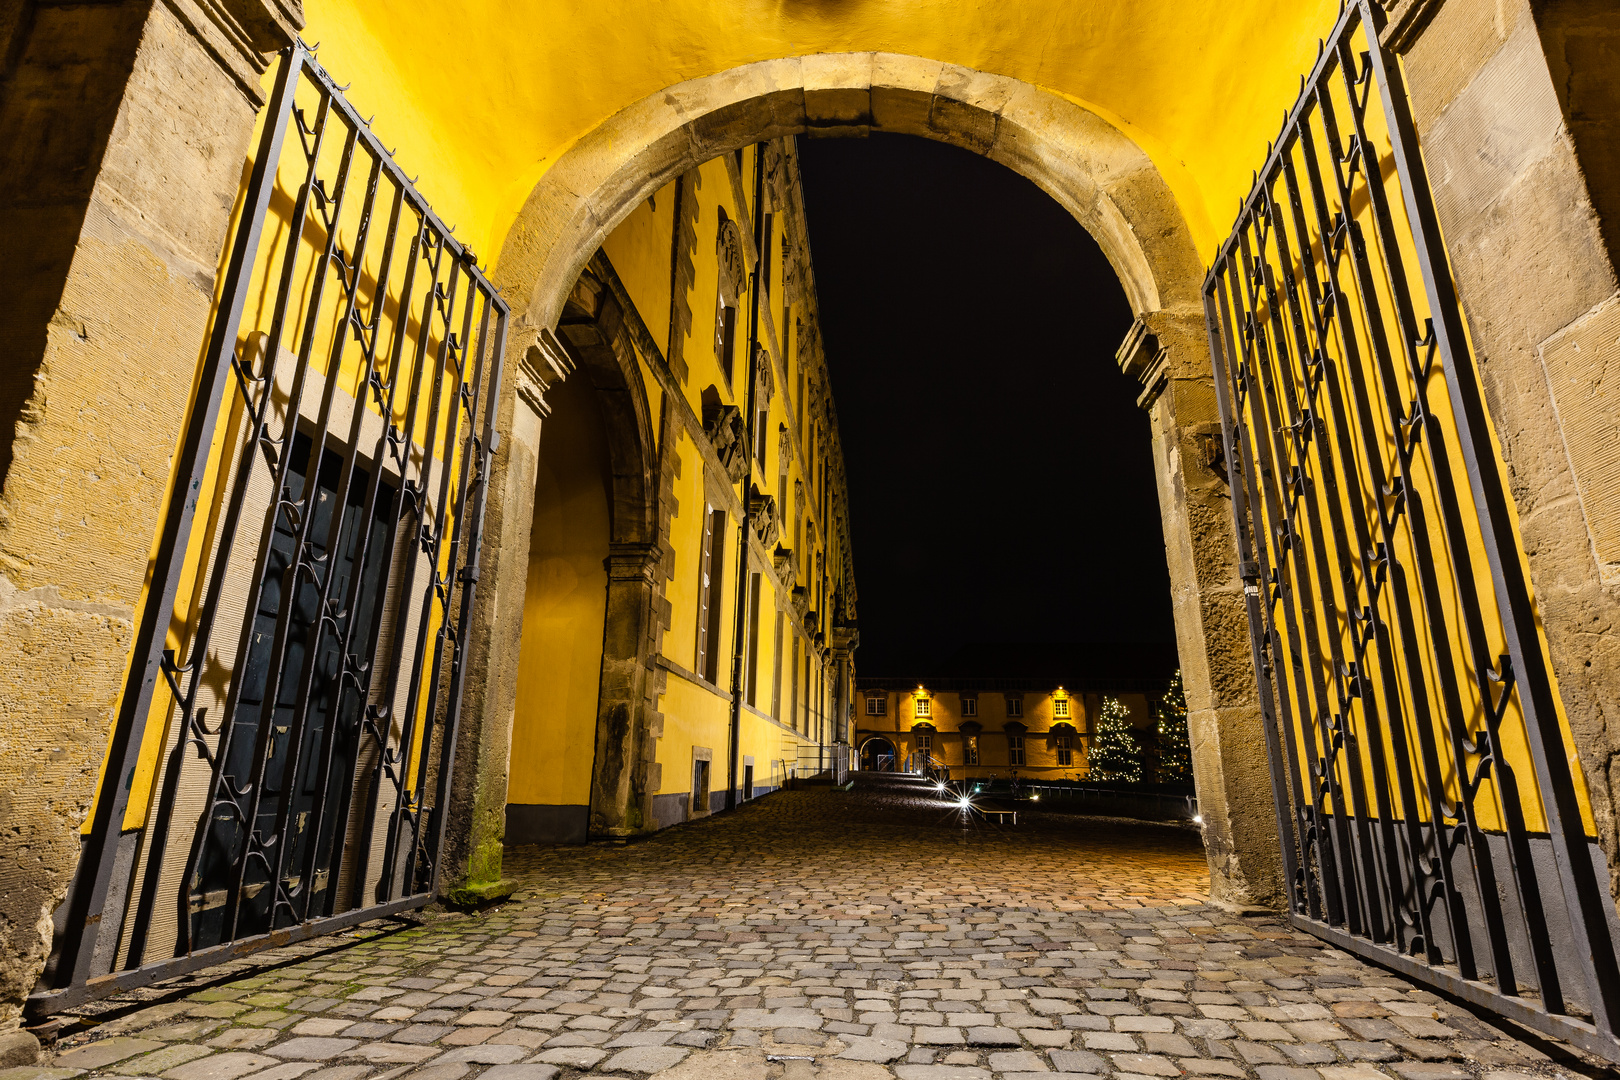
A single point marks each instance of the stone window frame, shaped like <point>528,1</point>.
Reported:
<point>1062,738</point>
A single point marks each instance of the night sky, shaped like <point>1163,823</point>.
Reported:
<point>1000,476</point>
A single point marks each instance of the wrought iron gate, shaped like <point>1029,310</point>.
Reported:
<point>1431,820</point>
<point>285,740</point>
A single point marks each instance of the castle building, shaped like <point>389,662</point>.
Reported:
<point>986,729</point>
<point>753,587</point>
<point>1025,711</point>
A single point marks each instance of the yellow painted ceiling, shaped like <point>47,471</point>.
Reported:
<point>482,96</point>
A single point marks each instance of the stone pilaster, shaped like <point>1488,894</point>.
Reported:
<point>1169,355</point>
<point>476,824</point>
<point>122,138</point>
<point>619,792</point>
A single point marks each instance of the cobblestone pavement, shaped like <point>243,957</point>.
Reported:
<point>820,935</point>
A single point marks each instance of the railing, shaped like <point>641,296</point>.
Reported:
<point>1421,769</point>
<point>819,761</point>
<point>1169,805</point>
<point>284,745</point>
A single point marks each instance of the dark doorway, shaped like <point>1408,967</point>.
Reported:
<point>877,755</point>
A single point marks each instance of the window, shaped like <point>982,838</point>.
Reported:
<point>766,252</point>
<point>1015,749</point>
<point>751,656</point>
<point>776,672</point>
<point>876,706</point>
<point>1015,705</point>
<point>925,742</point>
<point>970,750</point>
<point>924,707</point>
<point>1060,707</point>
<point>710,565</point>
<point>1065,749</point>
<point>725,336</point>
<point>970,706</point>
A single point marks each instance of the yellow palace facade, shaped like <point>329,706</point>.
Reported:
<point>978,729</point>
<point>751,629</point>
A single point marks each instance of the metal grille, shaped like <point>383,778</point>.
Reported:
<point>284,745</point>
<point>1421,768</point>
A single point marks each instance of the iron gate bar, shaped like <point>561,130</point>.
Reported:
<point>96,862</point>
<point>1407,502</point>
<point>1379,892</point>
<point>196,731</point>
<point>1405,913</point>
<point>312,563</point>
<point>1434,603</point>
<point>1300,503</point>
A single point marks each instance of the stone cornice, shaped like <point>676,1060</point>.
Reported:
<point>542,362</point>
<point>1143,359</point>
<point>242,35</point>
<point>1407,21</point>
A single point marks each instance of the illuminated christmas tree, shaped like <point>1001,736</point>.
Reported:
<point>1174,751</point>
<point>1115,752</point>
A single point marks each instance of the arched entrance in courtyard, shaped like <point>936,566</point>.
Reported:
<point>1425,866</point>
<point>877,755</point>
<point>1112,189</point>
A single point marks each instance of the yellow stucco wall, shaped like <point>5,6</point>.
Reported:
<point>560,667</point>
<point>483,100</point>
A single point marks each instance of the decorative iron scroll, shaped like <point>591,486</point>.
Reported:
<point>284,745</point>
<point>1430,817</point>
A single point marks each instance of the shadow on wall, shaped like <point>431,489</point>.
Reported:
<point>819,9</point>
<point>560,665</point>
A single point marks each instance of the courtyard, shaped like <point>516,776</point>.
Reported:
<point>851,935</point>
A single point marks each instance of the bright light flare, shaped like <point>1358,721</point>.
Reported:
<point>1034,798</point>
<point>965,803</point>
<point>1198,819</point>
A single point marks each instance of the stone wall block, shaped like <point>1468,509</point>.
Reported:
<point>1527,252</point>
<point>122,142</point>
<point>1460,38</point>
<point>902,91</point>
<point>1581,40</point>
<point>838,92</point>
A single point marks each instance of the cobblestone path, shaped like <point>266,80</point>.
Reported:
<point>819,935</point>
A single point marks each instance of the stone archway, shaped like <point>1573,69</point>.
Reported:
<point>875,752</point>
<point>1109,185</point>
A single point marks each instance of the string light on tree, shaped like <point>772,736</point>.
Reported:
<point>1174,747</point>
<point>1115,753</point>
